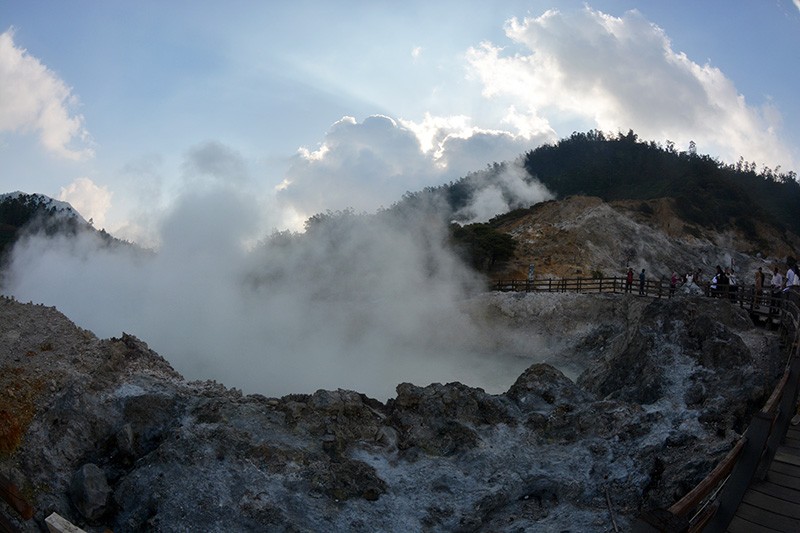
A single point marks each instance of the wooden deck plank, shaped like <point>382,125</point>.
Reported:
<point>785,468</point>
<point>792,443</point>
<point>784,456</point>
<point>777,505</point>
<point>793,432</point>
<point>792,482</point>
<point>740,525</point>
<point>765,518</point>
<point>773,504</point>
<point>777,491</point>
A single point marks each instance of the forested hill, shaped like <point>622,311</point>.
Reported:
<point>39,213</point>
<point>707,192</point>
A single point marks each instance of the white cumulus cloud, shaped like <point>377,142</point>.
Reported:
<point>371,164</point>
<point>34,99</point>
<point>89,199</point>
<point>620,73</point>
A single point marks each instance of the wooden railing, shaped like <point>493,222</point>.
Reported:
<point>758,444</point>
<point>763,301</point>
<point>711,505</point>
<point>584,285</point>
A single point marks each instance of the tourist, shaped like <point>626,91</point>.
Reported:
<point>673,282</point>
<point>722,281</point>
<point>629,280</point>
<point>641,283</point>
<point>777,281</point>
<point>791,275</point>
<point>733,283</point>
<point>720,284</point>
<point>776,284</point>
<point>759,287</point>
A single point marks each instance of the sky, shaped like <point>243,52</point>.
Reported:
<point>124,108</point>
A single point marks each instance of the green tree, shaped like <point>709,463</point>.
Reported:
<point>482,246</point>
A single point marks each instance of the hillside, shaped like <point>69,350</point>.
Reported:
<point>665,210</point>
<point>36,213</point>
<point>584,236</point>
<point>707,192</point>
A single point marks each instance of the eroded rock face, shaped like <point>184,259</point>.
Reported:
<point>662,389</point>
<point>578,235</point>
<point>442,420</point>
<point>89,492</point>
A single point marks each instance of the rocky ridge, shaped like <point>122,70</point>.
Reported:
<point>583,236</point>
<point>634,410</point>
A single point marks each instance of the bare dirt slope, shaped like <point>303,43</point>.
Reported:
<point>582,236</point>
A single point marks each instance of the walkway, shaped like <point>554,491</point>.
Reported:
<point>774,504</point>
<point>756,487</point>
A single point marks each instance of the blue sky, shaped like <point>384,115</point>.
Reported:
<point>125,108</point>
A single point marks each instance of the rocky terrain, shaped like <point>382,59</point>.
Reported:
<point>583,236</point>
<point>635,402</point>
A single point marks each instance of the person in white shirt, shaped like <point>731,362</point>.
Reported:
<point>777,281</point>
<point>776,285</point>
<point>791,277</point>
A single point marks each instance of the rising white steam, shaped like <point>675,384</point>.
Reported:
<point>357,302</point>
<point>510,188</point>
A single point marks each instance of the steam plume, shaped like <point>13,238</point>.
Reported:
<point>359,301</point>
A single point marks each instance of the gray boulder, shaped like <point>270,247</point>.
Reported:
<point>90,492</point>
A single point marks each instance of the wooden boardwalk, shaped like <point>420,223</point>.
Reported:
<point>756,487</point>
<point>774,504</point>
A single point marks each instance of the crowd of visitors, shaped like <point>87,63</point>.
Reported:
<point>726,284</point>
